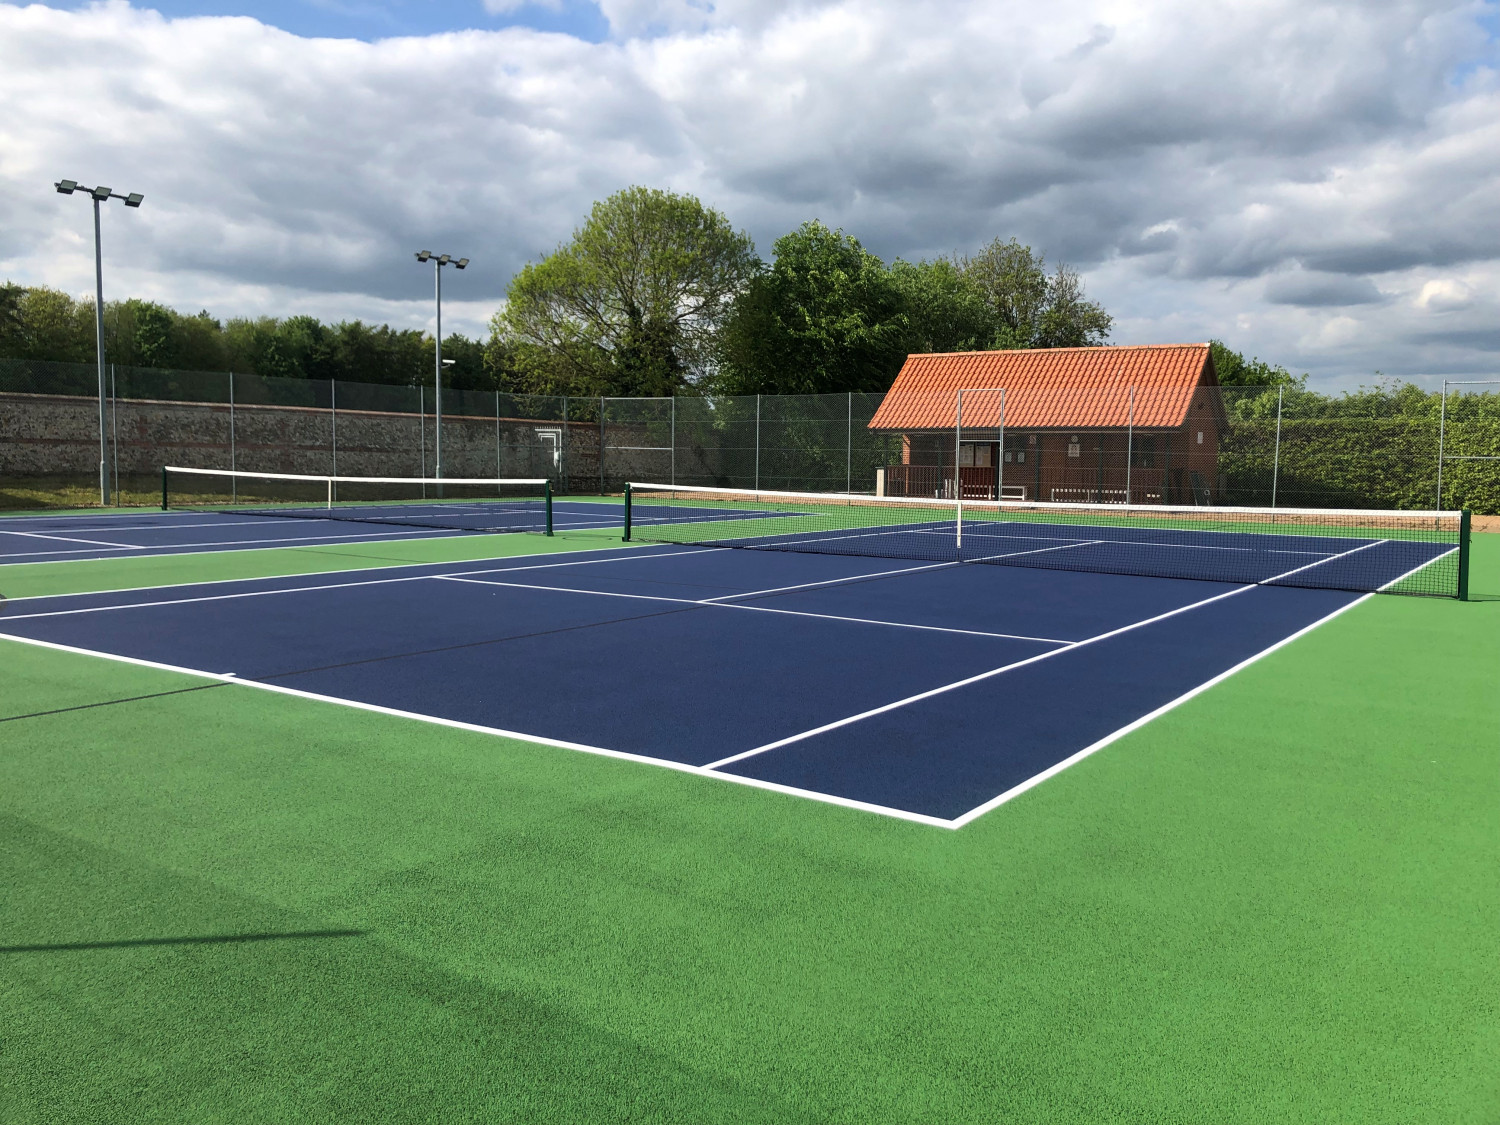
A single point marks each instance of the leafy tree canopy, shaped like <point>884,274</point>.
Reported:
<point>1033,309</point>
<point>826,317</point>
<point>631,305</point>
<point>1234,370</point>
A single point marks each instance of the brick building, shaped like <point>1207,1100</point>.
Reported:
<point>1074,425</point>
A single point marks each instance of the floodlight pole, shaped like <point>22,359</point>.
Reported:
<point>99,353</point>
<point>100,195</point>
<point>438,262</point>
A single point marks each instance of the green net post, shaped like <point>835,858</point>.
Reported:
<point>549,507</point>
<point>164,488</point>
<point>627,512</point>
<point>1463,555</point>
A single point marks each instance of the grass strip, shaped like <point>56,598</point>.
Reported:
<point>1274,904</point>
<point>29,580</point>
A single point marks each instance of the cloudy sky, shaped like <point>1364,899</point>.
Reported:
<point>1314,183</point>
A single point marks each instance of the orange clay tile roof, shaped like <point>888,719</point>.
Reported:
<point>1062,388</point>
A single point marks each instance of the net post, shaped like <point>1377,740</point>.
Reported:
<point>549,506</point>
<point>164,488</point>
<point>627,511</point>
<point>1442,435</point>
<point>958,482</point>
<point>1463,555</point>
<point>1276,455</point>
<point>330,494</point>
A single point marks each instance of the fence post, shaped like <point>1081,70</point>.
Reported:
<point>333,422</point>
<point>1442,436</point>
<point>114,430</point>
<point>757,443</point>
<point>1000,468</point>
<point>1129,445</point>
<point>674,439</point>
<point>498,473</point>
<point>234,484</point>
<point>849,448</point>
<point>1276,456</point>
<point>422,432</point>
<point>601,445</point>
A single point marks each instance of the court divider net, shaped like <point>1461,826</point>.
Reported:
<point>1386,551</point>
<point>462,504</point>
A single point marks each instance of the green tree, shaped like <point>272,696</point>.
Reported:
<point>11,322</point>
<point>464,366</point>
<point>1234,370</point>
<point>826,317</point>
<point>1033,309</point>
<point>55,326</point>
<point>632,304</point>
<point>946,311</point>
<point>153,334</point>
<point>198,342</point>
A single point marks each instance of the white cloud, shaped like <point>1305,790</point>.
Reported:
<point>1292,178</point>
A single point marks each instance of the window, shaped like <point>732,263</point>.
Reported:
<point>1200,437</point>
<point>1074,449</point>
<point>1144,453</point>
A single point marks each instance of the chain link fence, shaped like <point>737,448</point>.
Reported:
<point>1253,447</point>
<point>1261,447</point>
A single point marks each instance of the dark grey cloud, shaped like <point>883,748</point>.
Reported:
<point>1321,290</point>
<point>1315,184</point>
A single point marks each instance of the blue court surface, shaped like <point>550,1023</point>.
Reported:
<point>116,535</point>
<point>929,691</point>
<point>1355,560</point>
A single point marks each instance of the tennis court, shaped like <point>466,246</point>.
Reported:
<point>852,820</point>
<point>834,676</point>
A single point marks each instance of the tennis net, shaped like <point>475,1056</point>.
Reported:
<point>1397,552</point>
<point>482,505</point>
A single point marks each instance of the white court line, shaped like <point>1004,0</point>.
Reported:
<point>709,603</point>
<point>637,551</point>
<point>1040,550</point>
<point>838,581</point>
<point>193,520</point>
<point>521,736</point>
<point>826,727</point>
<point>710,770</point>
<point>315,586</point>
<point>247,544</point>
<point>979,534</point>
<point>1094,747</point>
<point>66,539</point>
<point>1415,569</point>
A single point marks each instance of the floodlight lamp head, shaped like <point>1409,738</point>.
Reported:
<point>461,263</point>
<point>449,362</point>
<point>423,255</point>
<point>66,187</point>
<point>101,194</point>
<point>444,260</point>
<point>134,199</point>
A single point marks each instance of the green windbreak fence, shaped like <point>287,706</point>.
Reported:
<point>1399,449</point>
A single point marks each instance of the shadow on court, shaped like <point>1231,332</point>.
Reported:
<point>207,939</point>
